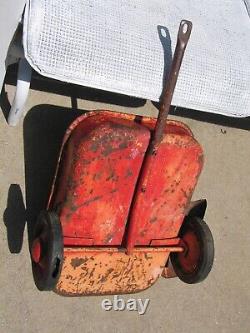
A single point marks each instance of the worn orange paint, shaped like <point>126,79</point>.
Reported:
<point>98,271</point>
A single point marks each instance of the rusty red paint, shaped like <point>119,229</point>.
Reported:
<point>98,167</point>
<point>165,187</point>
<point>98,171</point>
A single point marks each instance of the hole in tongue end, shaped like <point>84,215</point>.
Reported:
<point>163,33</point>
<point>185,28</point>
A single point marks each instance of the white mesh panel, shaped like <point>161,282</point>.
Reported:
<point>115,45</point>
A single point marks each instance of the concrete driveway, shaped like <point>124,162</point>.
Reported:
<point>28,154</point>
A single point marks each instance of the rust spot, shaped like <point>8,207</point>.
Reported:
<point>112,176</point>
<point>75,262</point>
<point>87,202</point>
<point>91,273</point>
<point>142,233</point>
<point>185,194</point>
<point>129,173</point>
<point>153,219</point>
<point>105,277</point>
<point>147,256</point>
<point>94,146</point>
<point>123,145</point>
<point>108,238</point>
<point>97,176</point>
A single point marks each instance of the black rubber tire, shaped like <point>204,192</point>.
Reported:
<point>47,271</point>
<point>206,257</point>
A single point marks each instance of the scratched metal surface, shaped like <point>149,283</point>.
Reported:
<point>95,272</point>
<point>165,188</point>
<point>96,179</point>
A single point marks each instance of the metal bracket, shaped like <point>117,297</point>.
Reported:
<point>197,208</point>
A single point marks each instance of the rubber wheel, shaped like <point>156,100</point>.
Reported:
<point>47,251</point>
<point>194,264</point>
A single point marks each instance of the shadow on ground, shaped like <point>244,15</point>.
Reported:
<point>43,130</point>
<point>15,218</point>
<point>212,118</point>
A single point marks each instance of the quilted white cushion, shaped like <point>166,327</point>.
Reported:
<point>116,46</point>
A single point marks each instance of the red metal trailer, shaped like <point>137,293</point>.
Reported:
<point>120,205</point>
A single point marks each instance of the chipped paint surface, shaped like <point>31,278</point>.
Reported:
<point>98,271</point>
<point>165,189</point>
<point>101,157</point>
<point>96,179</point>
